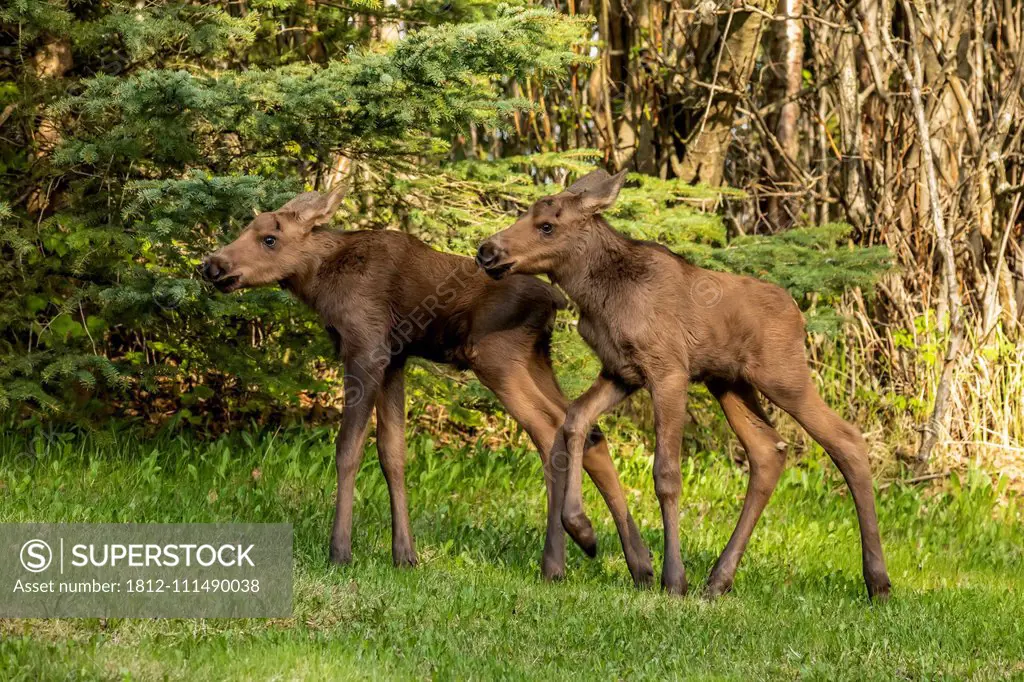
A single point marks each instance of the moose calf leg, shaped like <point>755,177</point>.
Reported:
<point>391,449</point>
<point>766,454</point>
<point>567,467</point>
<point>359,398</point>
<point>598,465</point>
<point>597,462</point>
<point>603,395</point>
<point>552,564</point>
<point>497,369</point>
<point>669,395</point>
<point>845,446</point>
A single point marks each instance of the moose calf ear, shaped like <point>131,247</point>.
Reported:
<point>332,200</point>
<point>313,208</point>
<point>600,195</point>
<point>588,181</point>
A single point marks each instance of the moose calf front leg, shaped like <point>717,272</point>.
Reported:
<point>602,396</point>
<point>361,388</point>
<point>669,396</point>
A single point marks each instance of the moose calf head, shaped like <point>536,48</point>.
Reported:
<point>274,245</point>
<point>546,235</point>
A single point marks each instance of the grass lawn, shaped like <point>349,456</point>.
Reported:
<point>475,607</point>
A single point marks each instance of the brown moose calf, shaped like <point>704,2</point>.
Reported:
<point>659,322</point>
<point>385,296</point>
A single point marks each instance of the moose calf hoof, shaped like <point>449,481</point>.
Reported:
<point>588,545</point>
<point>716,588</point>
<point>577,525</point>
<point>876,579</point>
<point>341,556</point>
<point>404,559</point>
<point>643,577</point>
<point>878,592</point>
<point>552,572</point>
<point>674,585</point>
<point>674,580</point>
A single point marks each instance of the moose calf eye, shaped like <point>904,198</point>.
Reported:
<point>269,241</point>
<point>547,228</point>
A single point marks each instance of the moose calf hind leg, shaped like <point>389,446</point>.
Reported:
<point>541,418</point>
<point>845,446</point>
<point>599,467</point>
<point>766,454</point>
<point>552,562</point>
<point>391,450</point>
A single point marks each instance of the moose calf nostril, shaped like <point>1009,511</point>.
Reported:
<point>211,270</point>
<point>486,254</point>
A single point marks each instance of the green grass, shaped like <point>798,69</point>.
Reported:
<point>475,608</point>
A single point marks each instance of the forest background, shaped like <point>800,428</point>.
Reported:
<point>865,155</point>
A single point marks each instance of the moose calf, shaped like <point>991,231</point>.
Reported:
<point>385,296</point>
<point>657,321</point>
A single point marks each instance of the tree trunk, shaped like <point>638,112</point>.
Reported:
<point>793,63</point>
<point>944,243</point>
<point>708,142</point>
<point>851,164</point>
